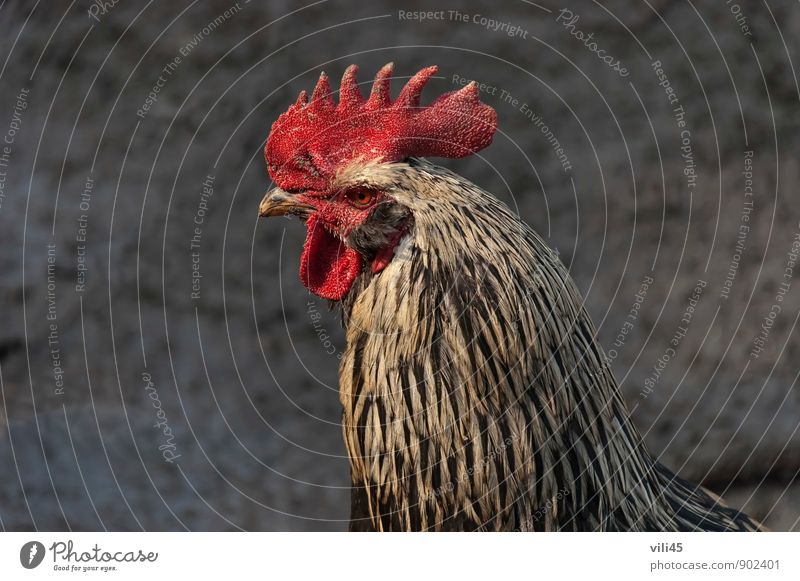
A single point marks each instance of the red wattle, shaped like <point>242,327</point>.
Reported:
<point>328,266</point>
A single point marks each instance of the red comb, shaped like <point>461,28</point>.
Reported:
<point>312,140</point>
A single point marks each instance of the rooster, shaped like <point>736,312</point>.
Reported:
<point>475,393</point>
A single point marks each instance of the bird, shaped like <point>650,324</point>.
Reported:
<point>475,393</point>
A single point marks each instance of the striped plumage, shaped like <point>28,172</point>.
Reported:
<point>475,394</point>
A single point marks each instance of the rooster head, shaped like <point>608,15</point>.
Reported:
<point>316,153</point>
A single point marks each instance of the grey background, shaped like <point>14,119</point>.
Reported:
<point>246,374</point>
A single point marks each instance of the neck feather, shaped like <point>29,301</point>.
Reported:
<point>475,393</point>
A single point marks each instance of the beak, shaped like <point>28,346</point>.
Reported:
<point>278,202</point>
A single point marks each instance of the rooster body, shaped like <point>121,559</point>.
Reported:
<point>475,394</point>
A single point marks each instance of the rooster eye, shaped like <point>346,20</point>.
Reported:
<point>360,198</point>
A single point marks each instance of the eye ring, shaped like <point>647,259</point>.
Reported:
<point>361,197</point>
